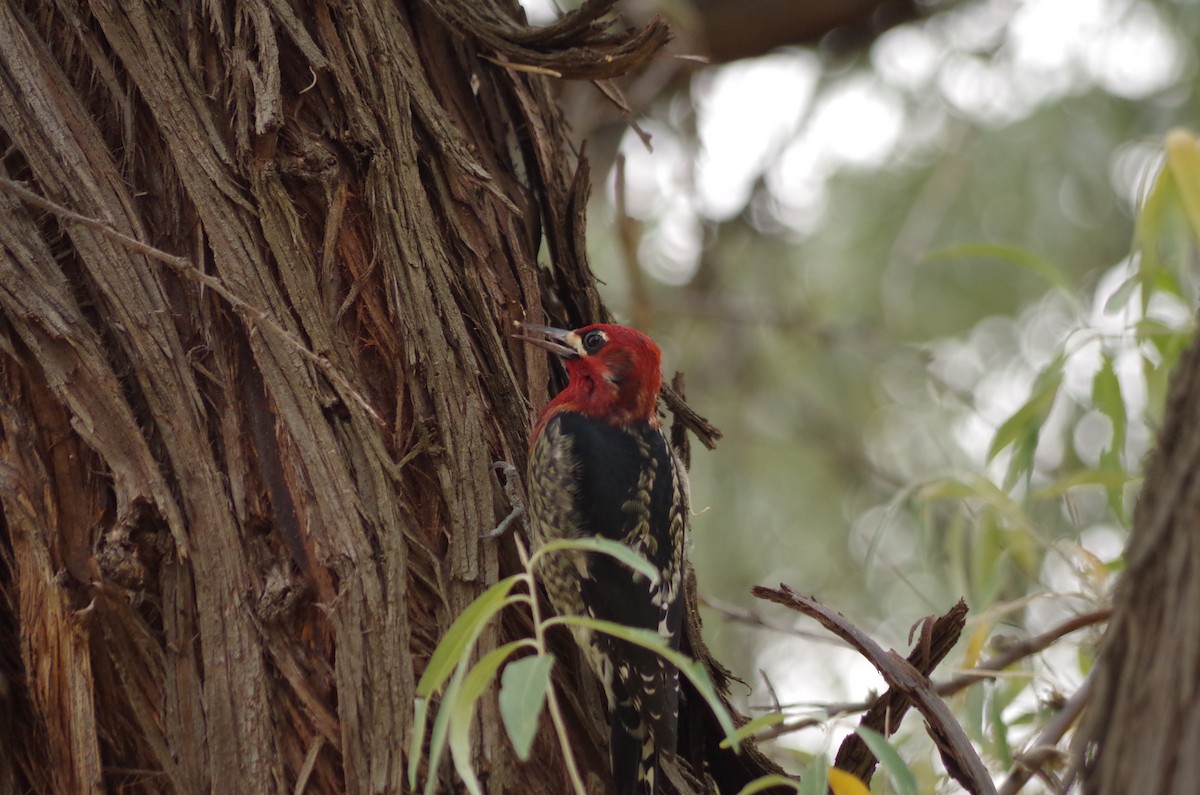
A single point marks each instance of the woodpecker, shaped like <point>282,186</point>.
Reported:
<point>600,465</point>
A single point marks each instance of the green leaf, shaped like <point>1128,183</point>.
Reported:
<point>441,727</point>
<point>1023,428</point>
<point>604,546</point>
<point>1120,296</point>
<point>420,713</point>
<point>753,727</point>
<point>767,782</point>
<point>972,712</point>
<point>1000,745</point>
<point>651,640</point>
<point>898,771</point>
<point>1107,397</point>
<point>1017,256</point>
<point>1152,221</point>
<point>462,709</point>
<point>523,687</point>
<point>461,636</point>
<point>1085,477</point>
<point>449,658</point>
<point>987,559</point>
<point>948,488</point>
<point>815,778</point>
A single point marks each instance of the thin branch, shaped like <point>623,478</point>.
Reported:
<point>705,431</point>
<point>992,668</point>
<point>523,67</point>
<point>958,755</point>
<point>749,617</point>
<point>936,638</point>
<point>1045,748</point>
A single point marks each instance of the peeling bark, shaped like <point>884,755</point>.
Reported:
<point>252,397</point>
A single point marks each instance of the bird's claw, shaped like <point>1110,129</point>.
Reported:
<point>511,480</point>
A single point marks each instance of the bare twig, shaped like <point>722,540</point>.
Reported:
<point>937,637</point>
<point>744,616</point>
<point>523,67</point>
<point>1045,747</point>
<point>988,669</point>
<point>958,755</point>
<point>705,431</point>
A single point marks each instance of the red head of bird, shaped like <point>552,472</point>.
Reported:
<point>614,373</point>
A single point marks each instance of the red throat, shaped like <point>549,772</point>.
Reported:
<point>619,383</point>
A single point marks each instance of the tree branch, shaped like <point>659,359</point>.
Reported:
<point>958,755</point>
<point>1045,748</point>
<point>988,669</point>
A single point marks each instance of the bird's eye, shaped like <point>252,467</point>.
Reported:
<point>593,340</point>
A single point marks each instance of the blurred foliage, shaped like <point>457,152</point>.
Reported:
<point>932,296</point>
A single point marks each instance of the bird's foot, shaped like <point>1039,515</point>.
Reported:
<point>512,483</point>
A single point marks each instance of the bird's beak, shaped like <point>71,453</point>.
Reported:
<point>558,342</point>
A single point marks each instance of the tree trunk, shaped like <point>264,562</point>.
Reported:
<point>251,397</point>
<point>1142,728</point>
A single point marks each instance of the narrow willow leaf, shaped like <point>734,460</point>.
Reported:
<point>975,644</point>
<point>648,639</point>
<point>815,778</point>
<point>947,488</point>
<point>999,729</point>
<point>1107,396</point>
<point>768,782</point>
<point>523,687</point>
<point>462,709</point>
<point>461,636</point>
<point>1086,477</point>
<point>972,712</point>
<point>604,546</point>
<point>987,558</point>
<point>753,727</point>
<point>1183,159</point>
<point>898,771</point>
<point>420,713</point>
<point>449,660</point>
<point>1033,413</point>
<point>1120,296</point>
<point>1024,427</point>
<point>441,728</point>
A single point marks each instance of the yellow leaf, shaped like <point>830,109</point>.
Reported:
<point>1183,159</point>
<point>975,644</point>
<point>843,783</point>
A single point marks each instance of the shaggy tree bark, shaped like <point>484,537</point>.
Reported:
<point>253,387</point>
<point>1142,727</point>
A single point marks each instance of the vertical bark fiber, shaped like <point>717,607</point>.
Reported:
<point>1142,728</point>
<point>241,495</point>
